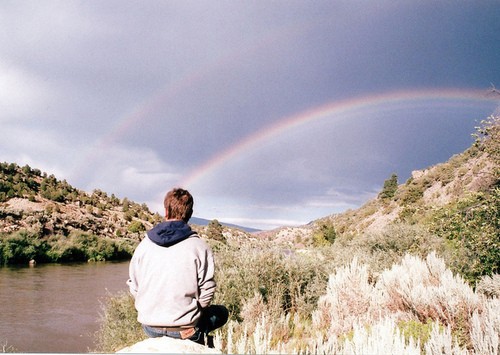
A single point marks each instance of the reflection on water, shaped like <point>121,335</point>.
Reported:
<point>55,308</point>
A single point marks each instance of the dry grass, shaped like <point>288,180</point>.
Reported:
<point>283,301</point>
<point>357,316</point>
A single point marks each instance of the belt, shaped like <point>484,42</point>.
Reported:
<point>183,332</point>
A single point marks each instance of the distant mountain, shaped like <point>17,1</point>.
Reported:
<point>205,222</point>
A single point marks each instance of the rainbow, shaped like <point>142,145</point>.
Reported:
<point>168,92</point>
<point>397,99</point>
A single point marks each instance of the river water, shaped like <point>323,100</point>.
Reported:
<point>54,307</point>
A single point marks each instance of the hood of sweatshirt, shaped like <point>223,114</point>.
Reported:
<point>169,233</point>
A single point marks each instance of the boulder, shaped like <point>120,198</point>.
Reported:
<point>166,345</point>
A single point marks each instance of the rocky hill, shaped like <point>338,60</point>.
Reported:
<point>425,192</point>
<point>34,201</point>
<point>452,199</point>
<point>47,219</point>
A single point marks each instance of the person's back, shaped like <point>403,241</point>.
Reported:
<point>172,277</point>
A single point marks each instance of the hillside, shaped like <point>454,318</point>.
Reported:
<point>413,202</point>
<point>43,204</point>
<point>452,207</point>
<point>46,219</point>
<point>426,191</point>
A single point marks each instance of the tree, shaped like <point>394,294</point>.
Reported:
<point>136,227</point>
<point>324,234</point>
<point>215,231</point>
<point>390,188</point>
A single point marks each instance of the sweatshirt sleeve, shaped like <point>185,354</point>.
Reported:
<point>132,272</point>
<point>206,282</point>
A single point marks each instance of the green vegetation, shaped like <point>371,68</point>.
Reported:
<point>471,227</point>
<point>390,187</point>
<point>23,246</point>
<point>136,227</point>
<point>64,224</point>
<point>324,233</point>
<point>416,330</point>
<point>215,231</point>
<point>118,324</point>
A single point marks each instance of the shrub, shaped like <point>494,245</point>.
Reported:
<point>21,247</point>
<point>136,227</point>
<point>215,231</point>
<point>471,227</point>
<point>324,234</point>
<point>383,337</point>
<point>389,189</point>
<point>489,285</point>
<point>347,301</point>
<point>416,330</point>
<point>269,271</point>
<point>381,249</point>
<point>418,305</point>
<point>118,324</point>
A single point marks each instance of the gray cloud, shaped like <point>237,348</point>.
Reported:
<point>133,97</point>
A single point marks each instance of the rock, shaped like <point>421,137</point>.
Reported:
<point>166,345</point>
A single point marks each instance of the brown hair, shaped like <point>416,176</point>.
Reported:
<point>178,204</point>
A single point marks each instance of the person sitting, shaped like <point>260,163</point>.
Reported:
<point>171,277</point>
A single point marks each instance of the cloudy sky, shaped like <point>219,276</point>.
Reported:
<point>271,113</point>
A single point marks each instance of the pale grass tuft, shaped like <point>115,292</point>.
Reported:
<point>417,306</point>
<point>485,333</point>
<point>489,285</point>
<point>262,336</point>
<point>241,345</point>
<point>218,340</point>
<point>6,348</point>
<point>382,337</point>
<point>441,342</point>
<point>349,299</point>
<point>428,290</point>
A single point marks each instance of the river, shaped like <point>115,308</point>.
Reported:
<point>55,308</point>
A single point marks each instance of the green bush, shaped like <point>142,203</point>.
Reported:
<point>390,187</point>
<point>417,330</point>
<point>136,227</point>
<point>324,234</point>
<point>118,324</point>
<point>215,231</point>
<point>410,193</point>
<point>23,246</point>
<point>290,279</point>
<point>471,228</point>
